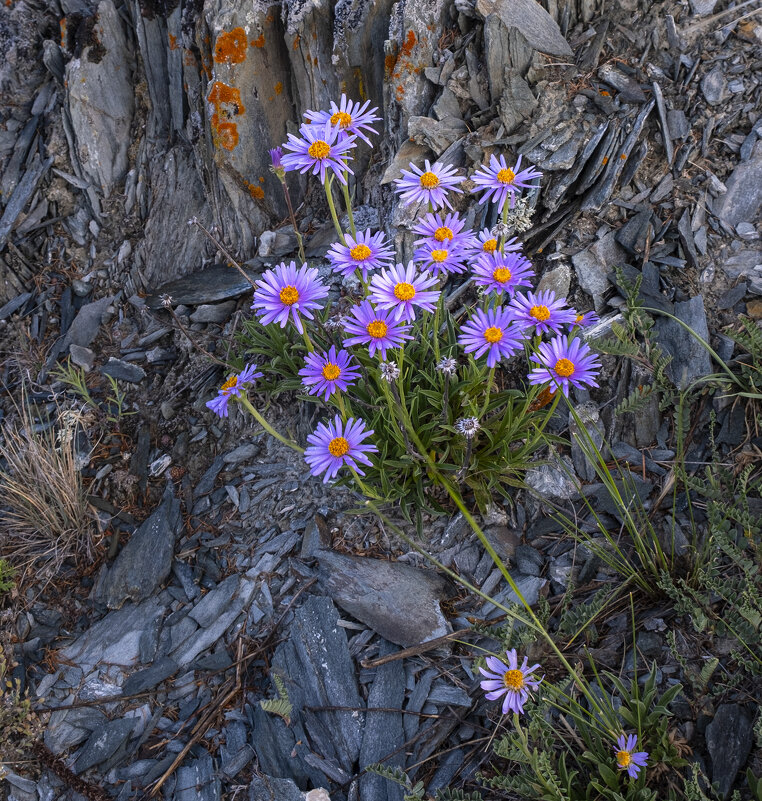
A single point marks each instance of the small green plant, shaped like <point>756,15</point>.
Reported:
<point>7,576</point>
<point>115,402</point>
<point>75,378</point>
<point>281,705</point>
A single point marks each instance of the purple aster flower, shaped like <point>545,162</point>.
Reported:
<point>285,292</point>
<point>366,252</point>
<point>328,372</point>
<point>500,181</point>
<point>232,388</point>
<point>565,362</point>
<point>510,680</point>
<point>627,758</point>
<point>495,332</point>
<point>276,154</point>
<point>502,272</point>
<point>350,117</point>
<point>586,319</point>
<point>321,148</point>
<point>429,185</point>
<point>375,328</point>
<point>543,311</point>
<point>488,243</point>
<point>436,230</point>
<point>400,289</point>
<point>334,445</point>
<point>442,257</point>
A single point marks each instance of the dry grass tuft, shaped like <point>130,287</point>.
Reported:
<point>44,517</point>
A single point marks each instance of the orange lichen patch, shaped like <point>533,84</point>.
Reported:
<point>259,41</point>
<point>297,41</point>
<point>261,179</point>
<point>389,62</point>
<point>605,160</point>
<point>269,18</point>
<point>409,44</point>
<point>227,104</point>
<point>189,59</point>
<point>230,47</point>
<point>397,67</point>
<point>278,88</point>
<point>173,45</point>
<point>255,191</point>
<point>623,156</point>
<point>605,93</point>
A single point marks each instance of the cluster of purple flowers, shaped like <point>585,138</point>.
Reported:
<point>396,294</point>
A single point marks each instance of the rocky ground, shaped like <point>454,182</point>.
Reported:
<point>218,562</point>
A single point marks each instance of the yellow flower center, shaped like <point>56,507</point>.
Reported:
<point>404,291</point>
<point>502,275</point>
<point>623,758</point>
<point>490,246</point>
<point>289,295</point>
<point>492,335</point>
<point>438,255</point>
<point>442,233</point>
<point>579,318</point>
<point>429,180</point>
<point>506,176</point>
<point>230,383</point>
<point>540,313</point>
<point>564,368</point>
<point>331,371</point>
<point>513,679</point>
<point>341,118</point>
<point>360,252</point>
<point>319,150</point>
<point>338,446</point>
<point>377,329</point>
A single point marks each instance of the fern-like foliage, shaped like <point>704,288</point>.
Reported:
<point>637,400</point>
<point>281,705</point>
<point>457,795</point>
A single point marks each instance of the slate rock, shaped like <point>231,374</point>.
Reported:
<point>702,7</point>
<point>211,285</point>
<point>69,727</point>
<point>713,86</point>
<point>123,371</point>
<point>145,562</point>
<point>103,742</point>
<point>115,638</point>
<point>398,601</point>
<point>148,678</point>
<point>529,560</point>
<point>213,313</point>
<point>85,325</point>
<point>383,733</point>
<point>557,280</point>
<point>211,606</point>
<point>534,22</point>
<point>743,200</point>
<point>82,357</point>
<point>594,264</point>
<point>690,359</point>
<point>728,740</point>
<point>13,305</point>
<point>436,134</point>
<point>198,781</point>
<point>266,788</point>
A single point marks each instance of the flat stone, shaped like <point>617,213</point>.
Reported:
<point>678,124</point>
<point>85,325</point>
<point>115,639</point>
<point>400,602</point>
<point>69,727</point>
<point>713,86</point>
<point>690,359</point>
<point>557,280</point>
<point>103,742</point>
<point>754,309</point>
<point>747,231</point>
<point>594,264</point>
<point>123,371</point>
<point>266,788</point>
<point>553,481</point>
<point>275,244</point>
<point>702,7</point>
<point>213,312</point>
<point>205,286</point>
<point>728,740</point>
<point>534,22</point>
<point>148,678</point>
<point>211,606</point>
<point>529,560</point>
<point>198,781</point>
<point>743,200</point>
<point>146,560</point>
<point>82,357</point>
<point>13,305</point>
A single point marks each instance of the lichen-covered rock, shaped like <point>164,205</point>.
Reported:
<point>100,99</point>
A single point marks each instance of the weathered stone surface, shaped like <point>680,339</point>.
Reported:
<point>436,134</point>
<point>729,740</point>
<point>398,601</point>
<point>198,781</point>
<point>534,22</point>
<point>144,563</point>
<point>123,371</point>
<point>69,727</point>
<point>517,102</point>
<point>100,98</point>
<point>85,325</point>
<point>213,313</point>
<point>594,264</point>
<point>690,359</point>
<point>103,742</point>
<point>743,200</point>
<point>205,286</point>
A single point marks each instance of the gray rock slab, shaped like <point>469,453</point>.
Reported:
<point>743,200</point>
<point>123,371</point>
<point>211,606</point>
<point>436,134</point>
<point>85,325</point>
<point>103,742</point>
<point>148,678</point>
<point>534,22</point>
<point>728,740</point>
<point>690,359</point>
<point>702,7</point>
<point>145,562</point>
<point>383,732</point>
<point>594,264</point>
<point>198,781</point>
<point>714,85</point>
<point>69,727</point>
<point>213,312</point>
<point>82,357</point>
<point>115,639</point>
<point>398,601</point>
<point>211,285</point>
<point>266,788</point>
<point>318,671</point>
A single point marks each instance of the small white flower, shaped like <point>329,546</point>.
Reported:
<point>447,365</point>
<point>468,426</point>
<point>389,371</point>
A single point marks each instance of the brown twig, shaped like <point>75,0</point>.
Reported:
<point>224,251</point>
<point>414,650</point>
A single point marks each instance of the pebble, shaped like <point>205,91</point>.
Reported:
<point>123,371</point>
<point>747,231</point>
<point>213,312</point>
<point>82,357</point>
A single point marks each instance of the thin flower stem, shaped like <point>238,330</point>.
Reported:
<point>505,222</point>
<point>368,493</point>
<point>308,341</point>
<point>466,461</point>
<point>340,404</point>
<point>348,204</point>
<point>332,206</point>
<point>490,380</point>
<point>225,252</point>
<point>190,339</point>
<point>293,220</point>
<point>246,403</point>
<point>446,399</point>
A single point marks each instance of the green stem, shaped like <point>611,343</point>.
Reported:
<point>331,205</point>
<point>308,341</point>
<point>246,403</point>
<point>293,220</point>
<point>348,204</point>
<point>340,404</point>
<point>490,379</point>
<point>505,222</point>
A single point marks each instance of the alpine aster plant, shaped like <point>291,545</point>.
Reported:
<point>502,182</point>
<point>319,150</point>
<point>565,362</point>
<point>349,116</point>
<point>326,373</point>
<point>232,388</point>
<point>286,292</point>
<point>403,290</point>
<point>365,252</point>
<point>429,185</point>
<point>510,682</point>
<point>337,444</point>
